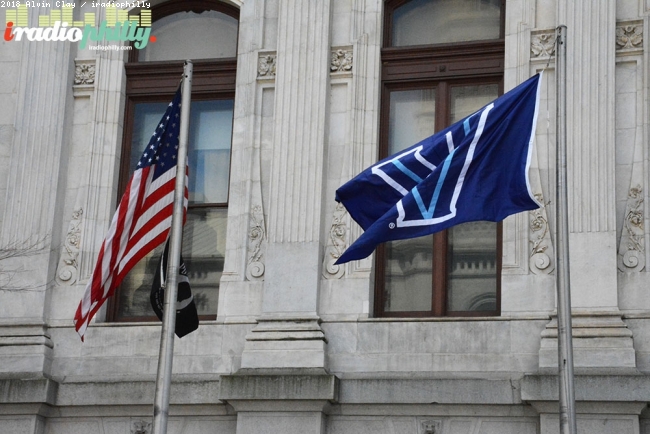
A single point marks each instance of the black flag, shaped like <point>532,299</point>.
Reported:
<point>187,319</point>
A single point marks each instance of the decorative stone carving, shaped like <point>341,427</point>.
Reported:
<point>431,427</point>
<point>84,72</point>
<point>336,244</point>
<point>541,250</point>
<point>141,427</point>
<point>256,234</point>
<point>631,255</point>
<point>542,43</point>
<point>68,270</point>
<point>266,65</point>
<point>341,60</point>
<point>629,36</point>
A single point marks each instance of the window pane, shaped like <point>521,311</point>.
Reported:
<point>408,275</point>
<point>465,100</point>
<point>423,22</point>
<point>183,35</point>
<point>412,118</point>
<point>472,246</point>
<point>209,145</point>
<point>407,282</point>
<point>204,250</point>
<point>204,234</point>
<point>209,154</point>
<point>472,261</point>
<point>204,244</point>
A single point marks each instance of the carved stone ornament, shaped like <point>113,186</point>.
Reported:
<point>141,427</point>
<point>256,235</point>
<point>341,60</point>
<point>68,270</point>
<point>430,427</point>
<point>336,244</point>
<point>84,73</point>
<point>542,44</point>
<point>541,250</point>
<point>266,65</point>
<point>629,36</point>
<point>631,255</point>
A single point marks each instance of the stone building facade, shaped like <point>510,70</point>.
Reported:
<point>292,343</point>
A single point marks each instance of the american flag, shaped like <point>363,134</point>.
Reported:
<point>143,217</point>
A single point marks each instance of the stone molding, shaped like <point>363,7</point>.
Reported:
<point>600,341</point>
<point>589,387</point>
<point>286,384</point>
<point>285,342</point>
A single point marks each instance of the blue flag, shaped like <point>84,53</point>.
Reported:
<point>477,169</point>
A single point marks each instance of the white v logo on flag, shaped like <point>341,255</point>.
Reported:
<point>426,213</point>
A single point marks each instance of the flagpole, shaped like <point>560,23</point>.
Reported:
<point>564,336</point>
<point>165,356</point>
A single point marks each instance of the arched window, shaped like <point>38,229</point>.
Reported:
<point>441,61</point>
<point>206,33</point>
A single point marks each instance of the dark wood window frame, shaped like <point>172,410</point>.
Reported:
<point>212,79</point>
<point>440,66</point>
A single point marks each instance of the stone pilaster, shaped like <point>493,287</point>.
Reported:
<point>30,209</point>
<point>591,151</point>
<point>294,252</point>
<point>600,337</point>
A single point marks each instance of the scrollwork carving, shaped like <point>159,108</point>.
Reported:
<point>256,235</point>
<point>431,427</point>
<point>632,248</point>
<point>629,36</point>
<point>540,253</point>
<point>68,270</point>
<point>341,60</point>
<point>141,427</point>
<point>266,66</point>
<point>336,244</point>
<point>84,73</point>
<point>542,44</point>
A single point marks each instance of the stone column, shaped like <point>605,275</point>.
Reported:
<point>601,339</point>
<point>288,334</point>
<point>283,386</point>
<point>30,208</point>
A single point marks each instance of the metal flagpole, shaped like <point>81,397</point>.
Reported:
<point>165,356</point>
<point>564,335</point>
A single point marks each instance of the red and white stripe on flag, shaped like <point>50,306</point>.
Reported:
<point>143,217</point>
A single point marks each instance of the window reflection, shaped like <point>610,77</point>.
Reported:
<point>177,36</point>
<point>204,233</point>
<point>421,22</point>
